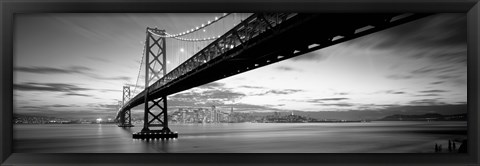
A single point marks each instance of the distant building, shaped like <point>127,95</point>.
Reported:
<point>214,114</point>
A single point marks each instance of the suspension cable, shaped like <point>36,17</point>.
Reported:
<point>141,62</point>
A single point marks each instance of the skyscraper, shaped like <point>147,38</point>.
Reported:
<point>214,114</point>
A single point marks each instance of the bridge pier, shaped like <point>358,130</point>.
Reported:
<point>155,114</point>
<point>126,117</point>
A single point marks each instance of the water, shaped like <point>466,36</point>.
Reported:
<point>373,137</point>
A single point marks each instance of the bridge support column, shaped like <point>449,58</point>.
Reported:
<point>126,117</point>
<point>156,110</point>
<point>155,114</point>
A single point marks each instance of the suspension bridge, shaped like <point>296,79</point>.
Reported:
<point>252,41</point>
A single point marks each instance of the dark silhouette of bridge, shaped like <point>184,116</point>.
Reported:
<point>259,40</point>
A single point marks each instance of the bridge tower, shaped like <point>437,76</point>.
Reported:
<point>155,114</point>
<point>126,118</point>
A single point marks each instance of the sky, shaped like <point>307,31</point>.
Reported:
<point>75,65</point>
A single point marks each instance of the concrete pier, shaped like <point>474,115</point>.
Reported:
<point>125,125</point>
<point>155,134</point>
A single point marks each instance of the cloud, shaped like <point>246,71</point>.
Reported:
<point>279,92</point>
<point>424,70</point>
<point>52,87</point>
<point>433,91</point>
<point>120,78</point>
<point>252,87</point>
<point>60,105</point>
<point>430,102</point>
<point>49,106</point>
<point>398,77</point>
<point>97,59</point>
<point>394,92</point>
<point>50,70</point>
<point>73,111</point>
<point>69,70</point>
<point>31,107</point>
<point>68,89</point>
<point>440,38</point>
<point>110,90</point>
<point>342,93</point>
<point>427,95</point>
<point>322,100</point>
<point>339,104</point>
<point>315,56</point>
<point>448,73</point>
<point>455,57</point>
<point>437,82</point>
<point>77,94</point>
<point>332,99</point>
<point>447,76</point>
<point>212,85</point>
<point>107,106</point>
<point>206,95</point>
<point>222,94</point>
<point>440,30</point>
<point>205,98</point>
<point>286,68</point>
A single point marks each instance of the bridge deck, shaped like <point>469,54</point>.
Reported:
<point>263,39</point>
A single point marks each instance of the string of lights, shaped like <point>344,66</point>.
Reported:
<point>197,40</point>
<point>167,35</point>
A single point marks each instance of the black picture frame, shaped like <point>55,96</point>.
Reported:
<point>9,8</point>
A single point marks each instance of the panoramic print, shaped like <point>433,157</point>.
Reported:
<point>240,83</point>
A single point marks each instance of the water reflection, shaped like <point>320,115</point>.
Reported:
<point>375,137</point>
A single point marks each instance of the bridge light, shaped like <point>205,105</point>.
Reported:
<point>216,18</point>
<point>208,22</point>
<point>196,27</point>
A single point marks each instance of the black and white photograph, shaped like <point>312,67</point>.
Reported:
<point>240,83</point>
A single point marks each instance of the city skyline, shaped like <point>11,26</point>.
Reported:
<point>76,64</point>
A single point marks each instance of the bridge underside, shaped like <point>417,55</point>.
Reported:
<point>301,34</point>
